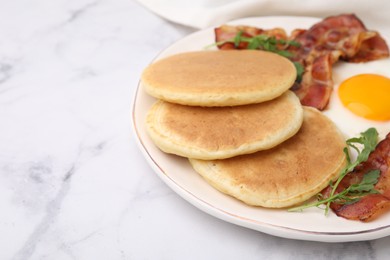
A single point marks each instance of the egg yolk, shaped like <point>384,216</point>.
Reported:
<point>367,95</point>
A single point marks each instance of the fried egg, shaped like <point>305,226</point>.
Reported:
<point>367,95</point>
<point>361,97</point>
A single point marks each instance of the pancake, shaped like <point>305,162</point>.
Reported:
<point>222,132</point>
<point>219,78</point>
<point>288,174</point>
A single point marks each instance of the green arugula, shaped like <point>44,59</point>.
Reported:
<point>263,42</point>
<point>354,192</point>
<point>266,43</point>
<point>300,70</point>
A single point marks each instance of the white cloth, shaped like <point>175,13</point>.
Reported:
<point>375,14</point>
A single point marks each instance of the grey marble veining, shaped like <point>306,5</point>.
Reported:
<point>73,183</point>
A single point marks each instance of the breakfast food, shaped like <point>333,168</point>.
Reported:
<point>213,78</point>
<point>372,204</point>
<point>222,132</point>
<point>285,175</point>
<point>337,37</point>
<point>367,96</point>
<point>209,111</point>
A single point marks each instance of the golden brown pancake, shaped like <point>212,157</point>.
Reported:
<point>219,78</point>
<point>285,175</point>
<point>223,132</point>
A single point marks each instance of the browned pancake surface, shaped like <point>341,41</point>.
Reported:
<point>285,175</point>
<point>222,132</point>
<point>219,78</point>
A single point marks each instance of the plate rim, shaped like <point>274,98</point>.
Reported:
<point>217,212</point>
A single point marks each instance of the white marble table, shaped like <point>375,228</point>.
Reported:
<point>73,183</point>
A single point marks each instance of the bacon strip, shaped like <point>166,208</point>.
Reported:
<point>371,49</point>
<point>345,33</point>
<point>227,33</point>
<point>317,84</point>
<point>337,37</point>
<point>342,37</point>
<point>371,205</point>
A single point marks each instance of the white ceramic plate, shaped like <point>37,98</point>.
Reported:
<point>177,173</point>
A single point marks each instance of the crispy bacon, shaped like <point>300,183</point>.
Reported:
<point>345,33</point>
<point>341,37</point>
<point>371,205</point>
<point>337,37</point>
<point>316,85</point>
<point>227,33</point>
<point>371,49</point>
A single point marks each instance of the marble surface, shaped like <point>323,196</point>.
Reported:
<point>73,183</point>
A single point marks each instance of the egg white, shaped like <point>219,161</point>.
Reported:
<point>350,124</point>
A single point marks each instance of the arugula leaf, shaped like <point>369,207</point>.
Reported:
<point>283,53</point>
<point>300,70</point>
<point>354,192</point>
<point>237,38</point>
<point>368,182</point>
<point>261,42</point>
<point>254,43</point>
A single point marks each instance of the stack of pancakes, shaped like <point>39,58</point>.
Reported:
<point>232,115</point>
